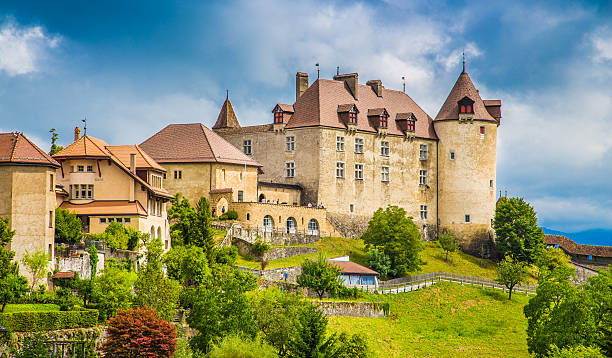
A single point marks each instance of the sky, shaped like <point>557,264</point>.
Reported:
<point>132,67</point>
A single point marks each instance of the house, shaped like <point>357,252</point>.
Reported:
<point>355,275</point>
<point>592,256</point>
<point>104,184</point>
<point>27,195</point>
<point>353,148</point>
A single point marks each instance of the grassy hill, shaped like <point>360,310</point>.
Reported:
<point>445,320</point>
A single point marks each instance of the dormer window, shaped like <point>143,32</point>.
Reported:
<point>406,121</point>
<point>466,106</point>
<point>411,125</point>
<point>278,117</point>
<point>383,120</point>
<point>348,113</point>
<point>352,117</point>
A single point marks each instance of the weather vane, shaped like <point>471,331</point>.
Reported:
<point>85,127</point>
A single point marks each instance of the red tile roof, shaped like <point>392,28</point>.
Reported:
<point>143,160</point>
<point>227,117</point>
<point>106,207</point>
<point>573,248</point>
<point>463,88</point>
<point>318,106</point>
<point>285,107</point>
<point>352,267</point>
<point>85,146</point>
<point>193,143</point>
<point>17,148</point>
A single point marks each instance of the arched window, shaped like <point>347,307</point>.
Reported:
<point>261,198</point>
<point>152,232</point>
<point>268,223</point>
<point>313,227</point>
<point>291,225</point>
<point>159,233</point>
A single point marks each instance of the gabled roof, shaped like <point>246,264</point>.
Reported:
<point>377,112</point>
<point>94,148</point>
<point>403,116</point>
<point>227,117</point>
<point>318,106</point>
<point>342,108</point>
<point>143,160</point>
<point>352,267</point>
<point>85,146</point>
<point>17,148</point>
<point>463,88</point>
<point>193,143</point>
<point>573,248</point>
<point>284,107</point>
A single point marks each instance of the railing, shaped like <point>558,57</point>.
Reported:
<point>411,283</point>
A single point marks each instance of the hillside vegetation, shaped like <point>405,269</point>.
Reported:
<point>444,320</point>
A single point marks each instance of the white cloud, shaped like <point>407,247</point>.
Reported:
<point>572,214</point>
<point>602,43</point>
<point>23,48</point>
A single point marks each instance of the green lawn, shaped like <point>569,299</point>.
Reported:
<point>445,320</point>
<point>219,235</point>
<point>30,307</point>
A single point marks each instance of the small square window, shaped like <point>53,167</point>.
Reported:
<point>467,218</point>
<point>80,168</point>
<point>89,168</point>
<point>119,220</point>
<point>127,220</point>
<point>102,220</point>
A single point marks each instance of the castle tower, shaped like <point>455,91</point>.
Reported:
<point>467,154</point>
<point>227,117</point>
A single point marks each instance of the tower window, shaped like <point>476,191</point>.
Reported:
<point>290,169</point>
<point>358,145</point>
<point>466,106</point>
<point>290,141</point>
<point>423,151</point>
<point>384,174</point>
<point>340,144</point>
<point>383,121</point>
<point>339,170</point>
<point>452,155</point>
<point>246,147</point>
<point>482,130</point>
<point>411,125</point>
<point>491,183</point>
<point>384,148</point>
<point>423,212</point>
<point>422,177</point>
<point>467,218</point>
<point>278,117</point>
<point>353,117</point>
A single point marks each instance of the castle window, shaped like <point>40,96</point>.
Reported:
<point>84,191</point>
<point>102,220</point>
<point>313,227</point>
<point>240,195</point>
<point>290,141</point>
<point>178,174</point>
<point>90,168</point>
<point>290,169</point>
<point>248,216</point>
<point>423,212</point>
<point>246,147</point>
<point>50,219</point>
<point>422,177</point>
<point>467,218</point>
<point>164,176</point>
<point>278,117</point>
<point>51,186</point>
<point>411,126</point>
<point>358,171</point>
<point>80,168</point>
<point>268,223</point>
<point>384,149</point>
<point>352,117</point>
<point>384,174</point>
<point>482,130</point>
<point>359,145</point>
<point>291,225</point>
<point>491,183</point>
<point>339,170</point>
<point>119,220</point>
<point>423,151</point>
<point>127,220</point>
<point>452,155</point>
<point>466,106</point>
<point>383,120</point>
<point>351,208</point>
<point>340,144</point>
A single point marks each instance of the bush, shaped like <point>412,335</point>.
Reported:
<point>260,247</point>
<point>34,347</point>
<point>229,215</point>
<point>345,292</point>
<point>235,346</point>
<point>48,320</point>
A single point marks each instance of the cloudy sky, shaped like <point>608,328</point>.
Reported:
<point>131,67</point>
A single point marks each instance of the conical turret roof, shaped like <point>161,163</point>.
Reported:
<point>227,117</point>
<point>463,88</point>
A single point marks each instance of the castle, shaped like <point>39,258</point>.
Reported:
<point>354,148</point>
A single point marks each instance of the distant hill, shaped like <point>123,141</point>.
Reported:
<point>587,237</point>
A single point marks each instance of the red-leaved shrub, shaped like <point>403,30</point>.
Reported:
<point>139,333</point>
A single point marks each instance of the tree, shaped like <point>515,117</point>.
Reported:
<point>575,352</point>
<point>549,259</point>
<point>93,260</point>
<point>516,230</point>
<point>510,273</point>
<point>345,346</point>
<point>380,262</point>
<point>220,307</point>
<point>203,233</point>
<point>113,291</point>
<point>152,288</point>
<point>67,227</point>
<point>321,275</point>
<point>37,264</point>
<point>566,316</point>
<point>243,347</point>
<point>192,226</point>
<point>310,339</point>
<point>448,242</point>
<point>187,264</point>
<point>54,147</point>
<point>393,232</point>
<point>139,333</point>
<point>181,215</point>
<point>12,285</point>
<point>115,236</point>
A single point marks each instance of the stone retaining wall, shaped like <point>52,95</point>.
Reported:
<point>275,253</point>
<point>93,336</point>
<point>350,309</point>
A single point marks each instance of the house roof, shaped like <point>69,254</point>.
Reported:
<point>285,108</point>
<point>572,247</point>
<point>106,207</point>
<point>90,147</point>
<point>227,117</point>
<point>343,108</point>
<point>193,143</point>
<point>353,267</point>
<point>319,106</point>
<point>143,160</point>
<point>17,148</point>
<point>403,116</point>
<point>221,191</point>
<point>463,88</point>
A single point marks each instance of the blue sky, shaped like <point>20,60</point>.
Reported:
<point>133,67</point>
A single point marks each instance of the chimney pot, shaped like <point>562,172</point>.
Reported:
<point>133,163</point>
<point>301,84</point>
<point>77,133</point>
<point>377,87</point>
<point>352,81</point>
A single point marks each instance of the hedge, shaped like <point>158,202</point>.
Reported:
<point>48,320</point>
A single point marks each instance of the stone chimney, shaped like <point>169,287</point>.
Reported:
<point>377,87</point>
<point>301,84</point>
<point>133,163</point>
<point>77,133</point>
<point>352,81</point>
